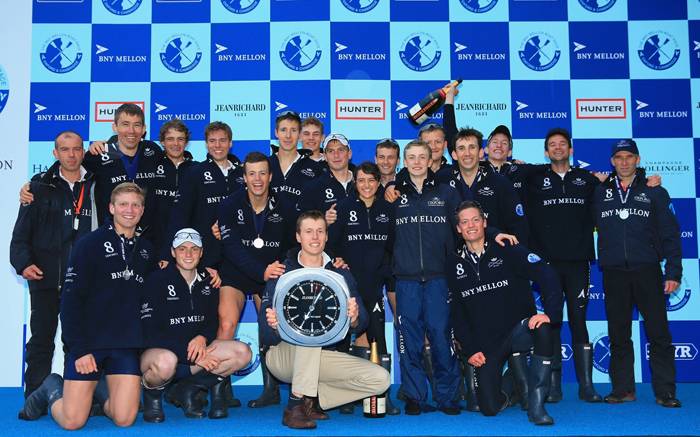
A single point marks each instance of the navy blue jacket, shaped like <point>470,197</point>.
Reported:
<point>364,238</point>
<point>109,171</point>
<point>559,212</point>
<point>238,230</point>
<point>490,297</point>
<point>270,337</point>
<point>425,229</point>
<point>172,314</point>
<point>648,235</point>
<point>197,203</point>
<point>43,233</point>
<point>303,170</point>
<point>496,195</point>
<point>165,188</point>
<point>323,192</point>
<point>99,307</point>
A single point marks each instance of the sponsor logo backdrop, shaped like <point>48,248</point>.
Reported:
<point>604,69</point>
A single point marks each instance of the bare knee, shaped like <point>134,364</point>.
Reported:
<point>73,423</point>
<point>243,354</point>
<point>164,365</point>
<point>124,418</point>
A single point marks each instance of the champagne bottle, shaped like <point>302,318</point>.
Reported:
<point>374,406</point>
<point>420,112</point>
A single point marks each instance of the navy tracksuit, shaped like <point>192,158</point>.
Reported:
<point>99,305</point>
<point>197,203</point>
<point>172,314</point>
<point>424,237</point>
<point>324,192</point>
<point>110,169</point>
<point>559,212</point>
<point>637,229</point>
<point>495,194</point>
<point>165,188</point>
<point>291,184</point>
<point>364,238</point>
<point>490,304</point>
<point>240,226</point>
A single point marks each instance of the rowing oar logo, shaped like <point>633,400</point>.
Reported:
<point>181,53</point>
<point>659,50</point>
<point>300,51</point>
<point>61,54</point>
<point>539,51</point>
<point>420,52</point>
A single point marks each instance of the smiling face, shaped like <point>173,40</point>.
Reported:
<point>499,147</point>
<point>387,159</point>
<point>257,178</point>
<point>127,209</point>
<point>558,149</point>
<point>218,144</point>
<point>311,137</point>
<point>129,129</point>
<point>366,185</point>
<point>468,153</point>
<point>174,142</point>
<point>187,255</point>
<point>416,158</point>
<point>312,236</point>
<point>436,141</point>
<point>471,225</point>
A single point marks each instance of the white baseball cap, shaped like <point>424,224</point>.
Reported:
<point>187,234</point>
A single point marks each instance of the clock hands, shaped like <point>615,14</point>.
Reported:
<point>313,305</point>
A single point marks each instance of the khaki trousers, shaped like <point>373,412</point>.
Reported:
<point>335,377</point>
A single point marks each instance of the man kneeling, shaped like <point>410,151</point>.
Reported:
<point>493,315</point>
<point>335,377</point>
<point>179,313</point>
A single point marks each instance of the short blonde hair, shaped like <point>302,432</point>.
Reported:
<point>127,187</point>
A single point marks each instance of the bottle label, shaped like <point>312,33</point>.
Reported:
<point>414,110</point>
<point>374,405</point>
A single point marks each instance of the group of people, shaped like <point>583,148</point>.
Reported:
<point>149,258</point>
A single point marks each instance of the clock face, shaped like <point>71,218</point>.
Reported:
<point>311,308</point>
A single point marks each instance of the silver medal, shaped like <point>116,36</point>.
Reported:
<point>76,223</point>
<point>624,214</point>
<point>127,274</point>
<point>258,243</point>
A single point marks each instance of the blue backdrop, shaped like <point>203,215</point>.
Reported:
<point>604,69</point>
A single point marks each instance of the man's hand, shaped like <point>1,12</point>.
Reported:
<point>670,286</point>
<point>502,238</point>
<point>86,364</point>
<point>97,148</point>
<point>477,360</point>
<point>25,196</point>
<point>197,349</point>
<point>331,215</point>
<point>339,263</point>
<point>215,278</point>
<point>209,362</point>
<point>215,230</point>
<point>271,317</point>
<point>32,273</point>
<point>537,320</point>
<point>391,194</point>
<point>450,93</point>
<point>353,311</point>
<point>654,180</point>
<point>163,264</point>
<point>274,271</point>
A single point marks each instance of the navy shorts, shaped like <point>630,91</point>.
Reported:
<point>109,362</point>
<point>232,277</point>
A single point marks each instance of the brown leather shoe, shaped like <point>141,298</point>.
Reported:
<point>313,410</point>
<point>296,418</point>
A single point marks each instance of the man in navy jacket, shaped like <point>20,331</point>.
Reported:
<point>637,229</point>
<point>100,320</point>
<point>333,376</point>
<point>179,315</point>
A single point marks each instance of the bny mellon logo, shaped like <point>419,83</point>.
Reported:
<point>520,105</point>
<point>578,46</point>
<point>339,47</point>
<point>400,106</point>
<point>279,106</point>
<point>100,49</point>
<point>641,105</point>
<point>160,107</point>
<point>220,48</point>
<point>459,47</point>
<point>38,108</point>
